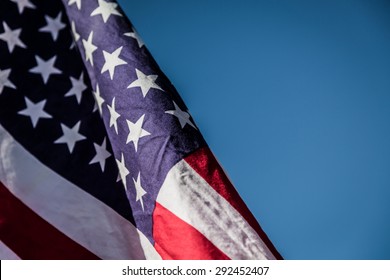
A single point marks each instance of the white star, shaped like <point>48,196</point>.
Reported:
<point>35,111</point>
<point>23,4</point>
<point>136,36</point>
<point>11,37</point>
<point>145,82</point>
<point>136,131</point>
<point>101,154</point>
<point>140,192</point>
<point>78,3</point>
<point>113,115</point>
<point>98,98</point>
<point>4,80</point>
<point>112,61</point>
<point>123,171</point>
<point>45,68</point>
<point>106,9</point>
<point>76,35</point>
<point>182,116</point>
<point>89,48</point>
<point>78,87</point>
<point>70,136</point>
<point>53,26</point>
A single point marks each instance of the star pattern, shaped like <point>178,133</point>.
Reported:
<point>53,26</point>
<point>70,136</point>
<point>78,86</point>
<point>113,115</point>
<point>112,60</point>
<point>140,192</point>
<point>4,80</point>
<point>106,9</point>
<point>182,116</point>
<point>145,82</point>
<point>101,154</point>
<point>136,131</point>
<point>139,128</point>
<point>45,68</point>
<point>89,48</point>
<point>23,4</point>
<point>11,37</point>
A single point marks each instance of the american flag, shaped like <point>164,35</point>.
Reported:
<point>99,156</point>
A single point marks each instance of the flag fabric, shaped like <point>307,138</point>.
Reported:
<point>99,156</point>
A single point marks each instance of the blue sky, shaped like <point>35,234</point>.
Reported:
<point>293,97</point>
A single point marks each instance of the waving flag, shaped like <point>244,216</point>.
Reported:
<point>99,156</point>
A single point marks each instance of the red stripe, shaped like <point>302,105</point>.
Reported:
<point>206,165</point>
<point>177,240</point>
<point>30,236</point>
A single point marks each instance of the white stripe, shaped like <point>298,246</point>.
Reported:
<point>187,195</point>
<point>6,253</point>
<point>74,212</point>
